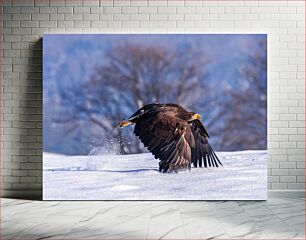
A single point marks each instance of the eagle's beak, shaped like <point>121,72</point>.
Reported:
<point>124,123</point>
<point>196,116</point>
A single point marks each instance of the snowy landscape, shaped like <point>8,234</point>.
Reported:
<point>136,177</point>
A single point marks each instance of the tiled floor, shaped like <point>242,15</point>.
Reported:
<point>272,219</point>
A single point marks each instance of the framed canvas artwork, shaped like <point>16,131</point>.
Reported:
<point>155,117</point>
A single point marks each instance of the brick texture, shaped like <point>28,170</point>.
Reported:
<point>24,22</point>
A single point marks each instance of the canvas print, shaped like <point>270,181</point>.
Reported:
<point>155,117</point>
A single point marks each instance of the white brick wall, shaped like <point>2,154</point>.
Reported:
<point>24,22</point>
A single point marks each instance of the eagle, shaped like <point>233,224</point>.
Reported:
<point>174,136</point>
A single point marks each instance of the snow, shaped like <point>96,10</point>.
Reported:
<point>136,177</point>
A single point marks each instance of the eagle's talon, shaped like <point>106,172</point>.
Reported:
<point>124,123</point>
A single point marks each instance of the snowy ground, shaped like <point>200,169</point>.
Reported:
<point>136,177</point>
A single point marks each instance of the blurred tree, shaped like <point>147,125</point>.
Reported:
<point>130,76</point>
<point>245,110</point>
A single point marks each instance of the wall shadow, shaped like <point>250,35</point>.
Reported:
<point>31,109</point>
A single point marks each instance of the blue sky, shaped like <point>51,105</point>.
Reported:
<point>224,51</point>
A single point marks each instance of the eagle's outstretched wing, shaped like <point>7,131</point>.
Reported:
<point>169,139</point>
<point>202,154</point>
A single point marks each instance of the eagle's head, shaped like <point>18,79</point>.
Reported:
<point>193,116</point>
